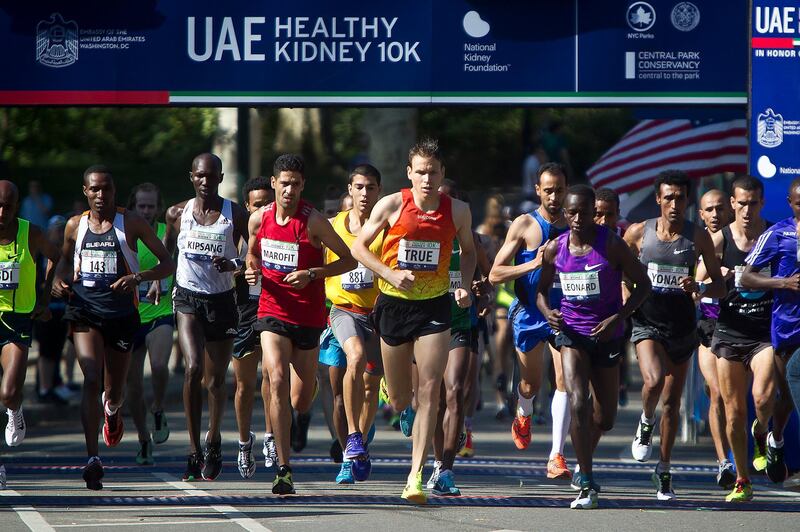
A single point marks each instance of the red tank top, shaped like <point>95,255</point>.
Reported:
<point>284,249</point>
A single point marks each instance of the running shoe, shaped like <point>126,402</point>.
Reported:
<point>759,448</point>
<point>160,427</point>
<point>437,468</point>
<point>114,428</point>
<point>383,391</point>
<point>336,452</point>
<point>354,448</point>
<point>776,466</point>
<point>345,475</point>
<point>642,446</point>
<point>362,468</point>
<point>15,428</point>
<point>212,459</point>
<point>394,421</point>
<point>742,492</point>
<point>521,432</point>
<point>300,430</point>
<point>413,492</point>
<point>586,499</point>
<point>462,441</point>
<point>283,485</point>
<point>194,467</point>
<point>446,485</point>
<point>371,434</point>
<point>468,451</point>
<point>407,421</point>
<point>270,451</point>
<point>2,477</point>
<point>557,468</point>
<point>726,476</point>
<point>145,454</point>
<point>245,462</point>
<point>576,480</point>
<point>663,482</point>
<point>93,474</point>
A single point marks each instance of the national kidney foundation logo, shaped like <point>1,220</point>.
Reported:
<point>57,41</point>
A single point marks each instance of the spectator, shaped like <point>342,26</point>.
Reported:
<point>37,205</point>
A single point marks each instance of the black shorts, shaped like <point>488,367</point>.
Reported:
<point>146,328</point>
<point>679,349</point>
<point>217,313</point>
<point>246,336</point>
<point>705,330</point>
<point>460,338</point>
<point>15,328</point>
<point>602,354</point>
<point>117,332</point>
<point>302,337</point>
<point>399,321</point>
<point>743,352</point>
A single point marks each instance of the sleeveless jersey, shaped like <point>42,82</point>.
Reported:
<point>147,311</point>
<point>744,315</point>
<point>285,249</point>
<point>421,242</point>
<point>358,286</point>
<point>668,308</point>
<point>525,286</point>
<point>199,244</point>
<point>17,273</point>
<point>591,286</point>
<point>99,261</point>
<point>459,317</point>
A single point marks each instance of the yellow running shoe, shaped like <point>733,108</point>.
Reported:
<point>468,451</point>
<point>383,391</point>
<point>759,449</point>
<point>742,492</point>
<point>413,493</point>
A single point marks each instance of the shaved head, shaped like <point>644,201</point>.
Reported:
<point>712,195</point>
<point>9,196</point>
<point>210,160</point>
<point>714,206</point>
<point>9,191</point>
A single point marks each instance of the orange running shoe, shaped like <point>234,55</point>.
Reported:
<point>113,427</point>
<point>467,451</point>
<point>557,468</point>
<point>521,431</point>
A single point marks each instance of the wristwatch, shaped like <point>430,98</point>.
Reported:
<point>312,275</point>
<point>137,277</point>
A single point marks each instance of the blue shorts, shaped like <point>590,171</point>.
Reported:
<point>330,352</point>
<point>529,326</point>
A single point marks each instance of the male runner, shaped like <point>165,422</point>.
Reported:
<point>665,327</point>
<point>779,249</point>
<point>590,260</point>
<point>206,231</point>
<point>412,313</point>
<point>155,332</point>
<point>99,274</point>
<point>713,212</point>
<point>257,193</point>
<point>523,246</point>
<point>285,245</point>
<point>20,243</point>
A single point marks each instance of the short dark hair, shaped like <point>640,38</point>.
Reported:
<point>255,183</point>
<point>96,169</point>
<point>367,170</point>
<point>675,178</point>
<point>428,148</point>
<point>607,194</point>
<point>584,191</point>
<point>748,183</point>
<point>145,187</point>
<point>556,169</point>
<point>289,162</point>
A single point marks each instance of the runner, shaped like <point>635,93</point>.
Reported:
<point>779,250</point>
<point>20,243</point>
<point>590,260</point>
<point>353,295</point>
<point>285,245</point>
<point>412,313</point>
<point>741,341</point>
<point>155,332</point>
<point>714,214</point>
<point>99,274</point>
<point>665,327</point>
<point>206,230</point>
<point>523,246</point>
<point>257,193</point>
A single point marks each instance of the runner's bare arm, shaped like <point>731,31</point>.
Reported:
<point>502,270</point>
<point>62,284</point>
<point>377,222</point>
<point>173,221</point>
<point>141,230</point>
<point>705,247</point>
<point>240,218</point>
<point>622,256</point>
<point>755,281</point>
<point>553,316</point>
<point>253,258</point>
<point>633,238</point>
<point>462,217</point>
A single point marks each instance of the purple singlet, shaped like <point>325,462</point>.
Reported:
<point>591,287</point>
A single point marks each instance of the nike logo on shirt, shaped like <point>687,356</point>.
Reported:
<point>679,251</point>
<point>592,267</point>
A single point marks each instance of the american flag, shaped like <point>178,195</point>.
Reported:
<point>698,148</point>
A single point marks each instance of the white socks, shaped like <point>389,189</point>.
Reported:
<point>524,405</point>
<point>649,421</point>
<point>559,411</point>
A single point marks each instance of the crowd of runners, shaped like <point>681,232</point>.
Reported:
<point>394,297</point>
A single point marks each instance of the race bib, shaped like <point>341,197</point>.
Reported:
<point>418,255</point>
<point>358,279</point>
<point>580,286</point>
<point>9,275</point>
<point>665,278</point>
<point>202,246</point>
<point>279,256</point>
<point>98,267</point>
<point>455,281</point>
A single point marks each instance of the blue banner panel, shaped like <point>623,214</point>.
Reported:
<point>353,52</point>
<point>774,101</point>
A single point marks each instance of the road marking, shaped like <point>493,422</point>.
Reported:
<point>28,514</point>
<point>144,523</point>
<point>241,519</point>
